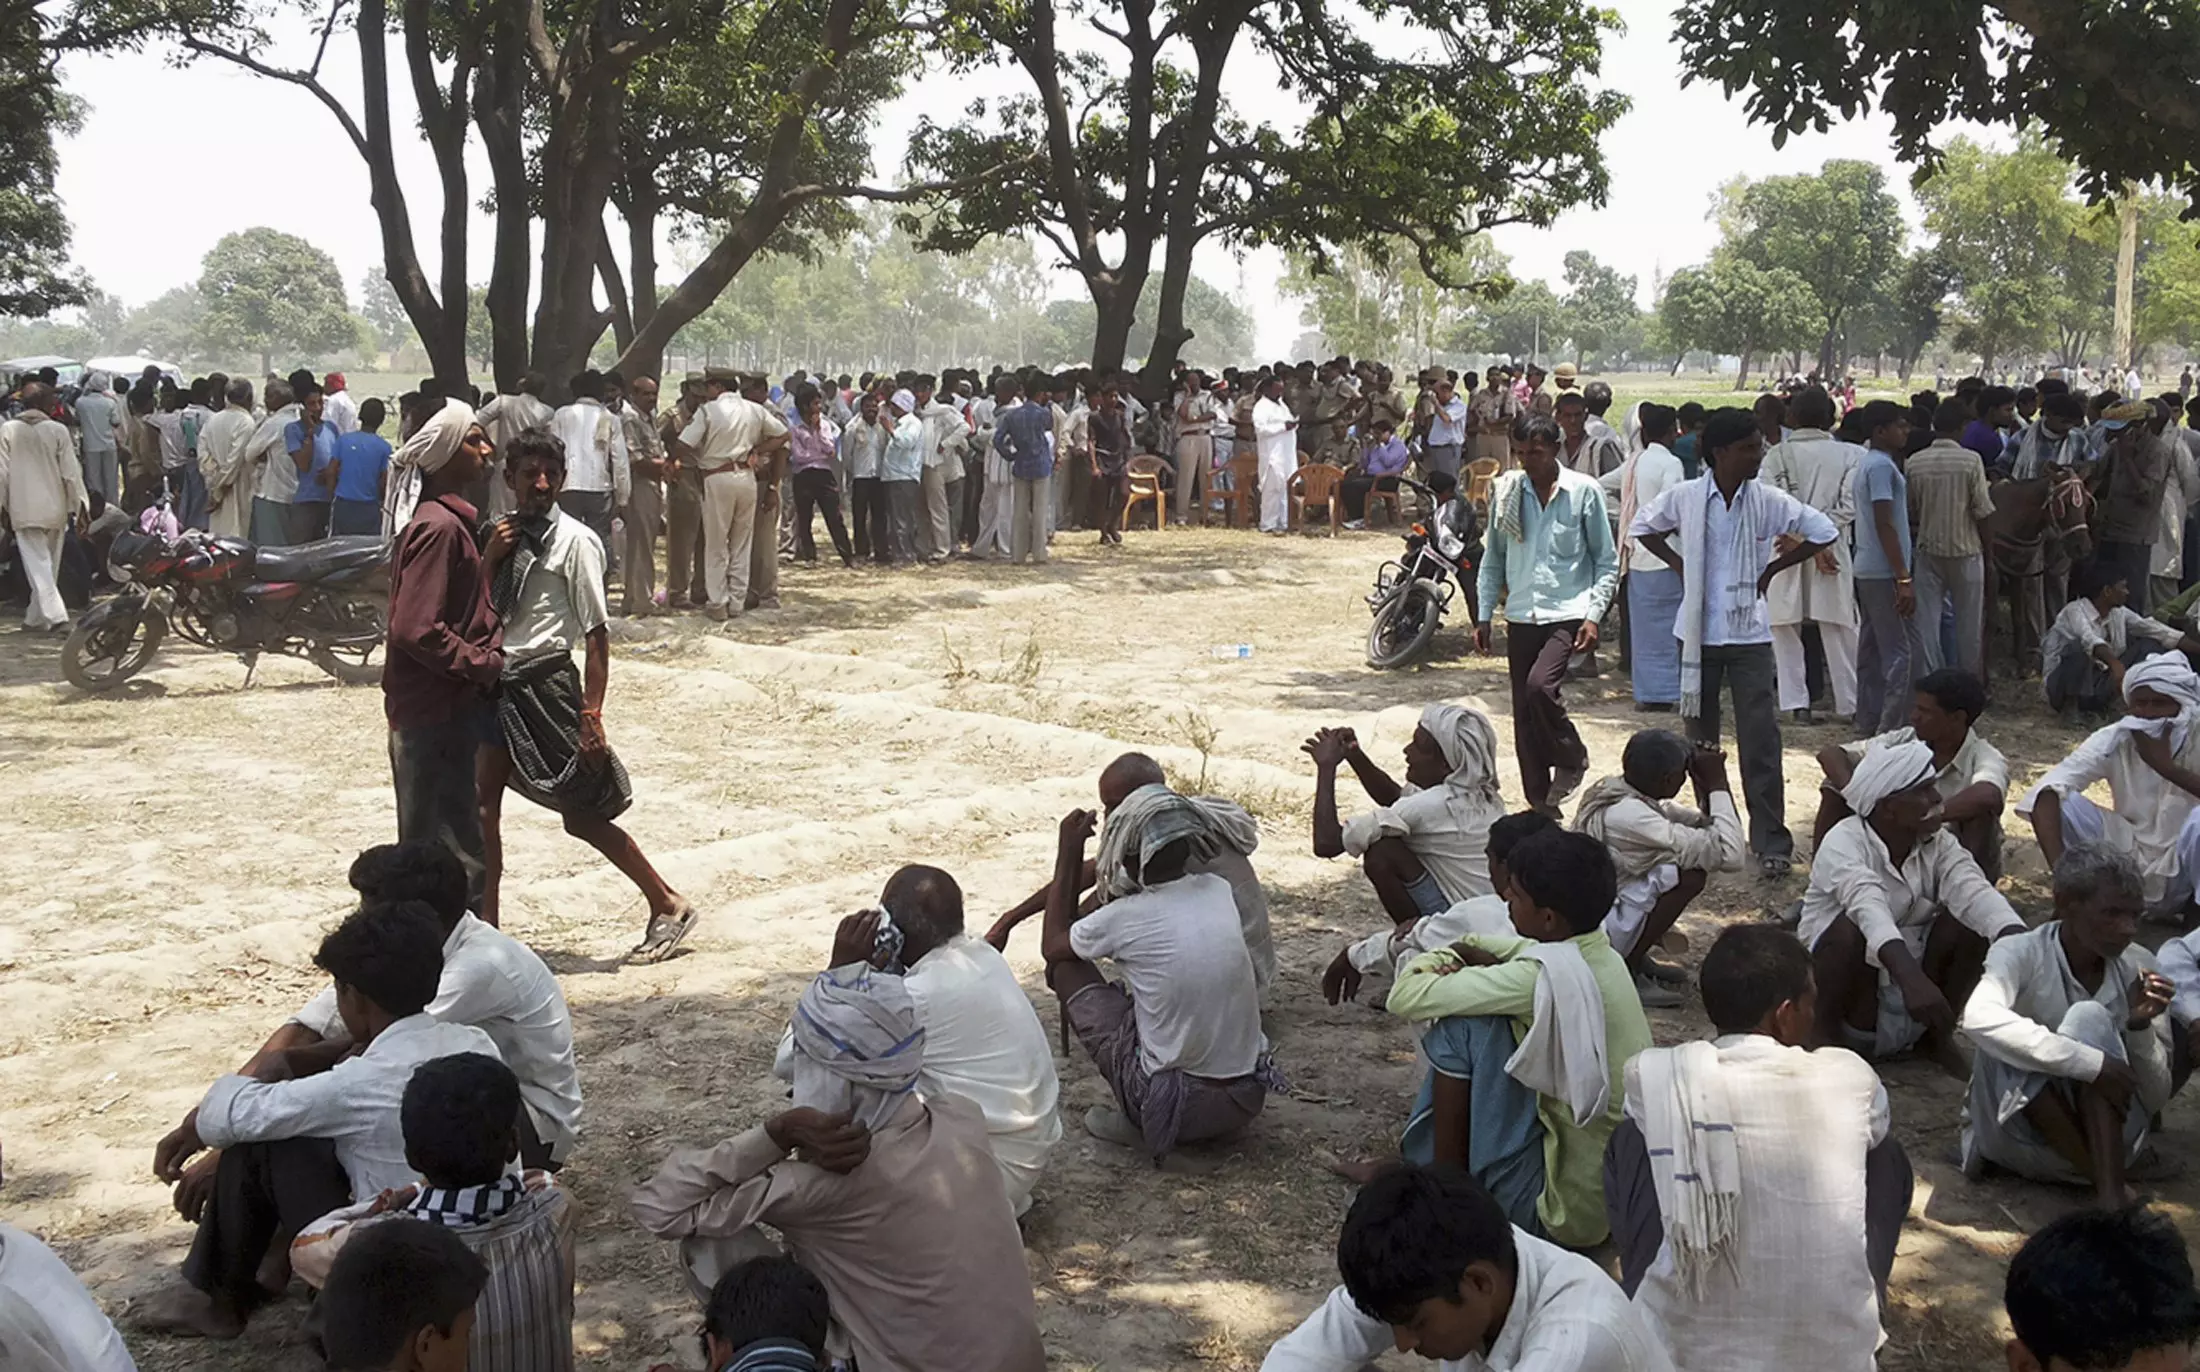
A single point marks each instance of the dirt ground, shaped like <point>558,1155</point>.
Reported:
<point>177,850</point>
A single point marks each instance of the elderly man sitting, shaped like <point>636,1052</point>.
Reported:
<point>1423,846</point>
<point>1130,787</point>
<point>892,1198</point>
<point>982,1040</point>
<point>1182,1048</point>
<point>2151,762</point>
<point>1662,852</point>
<point>1898,916</point>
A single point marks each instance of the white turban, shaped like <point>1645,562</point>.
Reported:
<point>1150,819</point>
<point>428,451</point>
<point>857,1044</point>
<point>2167,674</point>
<point>904,401</point>
<point>1470,746</point>
<point>1888,772</point>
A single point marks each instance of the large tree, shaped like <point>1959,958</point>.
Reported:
<point>1601,314</point>
<point>1385,306</point>
<point>1906,314</point>
<point>1464,118</point>
<point>1837,228</point>
<point>266,291</point>
<point>1731,305</point>
<point>34,114</point>
<point>2110,81</point>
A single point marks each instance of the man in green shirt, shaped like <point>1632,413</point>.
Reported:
<point>1524,1105</point>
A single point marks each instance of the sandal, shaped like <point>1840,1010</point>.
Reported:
<point>664,934</point>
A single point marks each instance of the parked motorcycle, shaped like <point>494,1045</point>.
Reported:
<point>1412,592</point>
<point>322,601</point>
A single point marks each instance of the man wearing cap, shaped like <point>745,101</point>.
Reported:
<point>1491,417</point>
<point>683,501</point>
<point>901,472</point>
<point>1566,377</point>
<point>2129,482</point>
<point>337,406</point>
<point>728,440</point>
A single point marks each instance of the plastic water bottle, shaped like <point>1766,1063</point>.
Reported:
<point>1237,650</point>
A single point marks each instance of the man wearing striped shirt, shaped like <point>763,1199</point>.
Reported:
<point>1950,506</point>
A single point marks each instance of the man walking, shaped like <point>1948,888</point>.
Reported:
<point>1550,560</point>
<point>1819,470</point>
<point>445,649</point>
<point>41,493</point>
<point>1726,522</point>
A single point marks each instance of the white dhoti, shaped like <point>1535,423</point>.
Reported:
<point>2085,822</point>
<point>41,554</point>
<point>1632,905</point>
<point>1275,492</point>
<point>1996,1126</point>
<point>993,510</point>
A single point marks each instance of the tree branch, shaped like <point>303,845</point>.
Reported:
<point>303,80</point>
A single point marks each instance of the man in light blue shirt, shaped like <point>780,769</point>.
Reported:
<point>1885,598</point>
<point>1550,559</point>
<point>1447,430</point>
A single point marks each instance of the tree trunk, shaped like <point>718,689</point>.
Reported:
<point>1187,178</point>
<point>498,96</point>
<point>1115,301</point>
<point>641,252</point>
<point>2127,252</point>
<point>579,159</point>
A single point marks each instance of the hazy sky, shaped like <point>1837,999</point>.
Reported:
<point>281,160</point>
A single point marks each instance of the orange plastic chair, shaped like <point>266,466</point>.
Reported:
<point>1316,484</point>
<point>1394,499</point>
<point>1481,476</point>
<point>1146,490</point>
<point>1237,503</point>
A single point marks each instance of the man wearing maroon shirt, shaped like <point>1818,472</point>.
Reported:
<point>445,650</point>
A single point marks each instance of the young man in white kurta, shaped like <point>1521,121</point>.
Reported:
<point>1819,470</point>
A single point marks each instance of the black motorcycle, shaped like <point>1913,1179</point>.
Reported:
<point>1413,591</point>
<point>325,602</point>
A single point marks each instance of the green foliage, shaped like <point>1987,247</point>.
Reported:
<point>384,313</point>
<point>1371,303</point>
<point>2031,266</point>
<point>1602,318</point>
<point>170,325</point>
<point>1907,312</point>
<point>1732,305</point>
<point>34,114</point>
<point>1839,229</point>
<point>2110,81</point>
<point>1529,321</point>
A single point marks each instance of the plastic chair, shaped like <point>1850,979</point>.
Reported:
<point>1146,490</point>
<point>1237,503</point>
<point>1395,499</point>
<point>1317,483</point>
<point>1481,476</point>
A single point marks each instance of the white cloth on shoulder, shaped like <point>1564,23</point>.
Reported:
<point>1694,1164</point>
<point>858,1046</point>
<point>1563,1053</point>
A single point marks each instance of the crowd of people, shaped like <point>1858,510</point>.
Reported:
<point>396,1142</point>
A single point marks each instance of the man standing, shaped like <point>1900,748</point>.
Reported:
<point>547,586</point>
<point>683,502</point>
<point>1950,507</point>
<point>771,480</point>
<point>1886,597</point>
<point>272,479</point>
<point>597,478</point>
<point>99,423</point>
<point>1023,437</point>
<point>1447,431</point>
<point>943,443</point>
<point>1111,460</point>
<point>362,462</point>
<point>1653,590</point>
<point>221,462</point>
<point>2130,481</point>
<point>1550,561</point>
<point>901,476</point>
<point>724,441</point>
<point>645,506</point>
<point>1579,449</point>
<point>994,521</point>
<point>339,407</point>
<point>1726,521</point>
<point>1275,431</point>
<point>505,418</point>
<point>41,493</point>
<point>1819,470</point>
<point>445,649</point>
<point>862,447</point>
<point>311,442</point>
<point>1491,417</point>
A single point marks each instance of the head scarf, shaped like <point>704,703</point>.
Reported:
<point>1888,772</point>
<point>1470,746</point>
<point>428,451</point>
<point>857,1044</point>
<point>1150,819</point>
<point>2170,675</point>
<point>904,401</point>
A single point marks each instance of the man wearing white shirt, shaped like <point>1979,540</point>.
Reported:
<point>995,515</point>
<point>1447,430</point>
<point>339,408</point>
<point>1652,586</point>
<point>309,1132</point>
<point>598,480</point>
<point>1276,439</point>
<point>221,462</point>
<point>944,433</point>
<point>505,418</point>
<point>1819,470</point>
<point>725,440</point>
<point>1488,914</point>
<point>42,494</point>
<point>268,471</point>
<point>1431,1267</point>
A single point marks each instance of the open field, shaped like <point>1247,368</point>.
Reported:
<point>177,851</point>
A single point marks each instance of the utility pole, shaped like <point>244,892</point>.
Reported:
<point>2127,254</point>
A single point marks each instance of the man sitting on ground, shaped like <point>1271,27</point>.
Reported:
<point>892,1199</point>
<point>2108,1290</point>
<point>766,1315</point>
<point>1754,1190</point>
<point>1490,914</point>
<point>1662,852</point>
<point>1431,1267</point>
<point>1423,846</point>
<point>1898,915</point>
<point>1973,777</point>
<point>2096,637</point>
<point>308,1133</point>
<point>2073,1047</point>
<point>2151,762</point>
<point>982,1039</point>
<point>490,980</point>
<point>1235,835</point>
<point>1529,1038</point>
<point>460,1135</point>
<point>401,1300</point>
<point>48,1321</point>
<point>1182,1049</point>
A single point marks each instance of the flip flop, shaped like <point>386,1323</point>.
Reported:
<point>664,934</point>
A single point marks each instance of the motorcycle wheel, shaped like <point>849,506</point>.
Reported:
<point>351,664</point>
<point>1403,625</point>
<point>105,651</point>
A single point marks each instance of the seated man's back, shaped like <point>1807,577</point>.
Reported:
<point>984,1043</point>
<point>1191,979</point>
